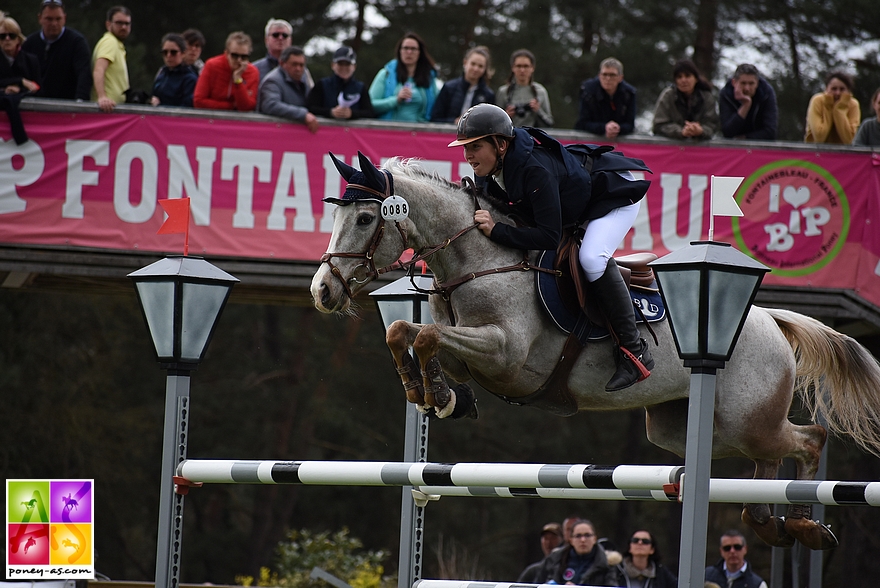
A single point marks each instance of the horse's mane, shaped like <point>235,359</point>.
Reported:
<point>411,168</point>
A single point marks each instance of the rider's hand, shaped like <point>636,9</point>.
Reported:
<point>484,221</point>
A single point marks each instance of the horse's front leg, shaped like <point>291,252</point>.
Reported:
<point>487,345</point>
<point>399,337</point>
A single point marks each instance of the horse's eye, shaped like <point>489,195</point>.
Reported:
<point>365,219</point>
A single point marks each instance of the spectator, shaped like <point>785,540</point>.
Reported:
<point>283,93</point>
<point>470,89</point>
<point>551,538</point>
<point>526,101</point>
<point>584,562</point>
<point>641,567</point>
<point>733,570</point>
<point>567,526</point>
<point>229,81</point>
<point>748,106</point>
<point>341,95</point>
<point>869,132</point>
<point>278,38</point>
<point>195,42</point>
<point>109,68</point>
<point>19,70</point>
<point>608,104</point>
<point>63,54</point>
<point>686,110</point>
<point>833,115</point>
<point>406,87</point>
<point>176,82</point>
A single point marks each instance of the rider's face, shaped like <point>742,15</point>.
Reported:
<point>482,156</point>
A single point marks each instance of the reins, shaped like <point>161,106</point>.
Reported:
<point>444,289</point>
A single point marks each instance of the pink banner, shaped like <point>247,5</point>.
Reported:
<point>93,180</point>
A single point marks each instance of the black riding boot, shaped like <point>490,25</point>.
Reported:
<point>633,359</point>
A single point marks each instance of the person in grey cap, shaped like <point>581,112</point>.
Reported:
<point>341,96</point>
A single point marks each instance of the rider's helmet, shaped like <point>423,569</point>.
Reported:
<point>483,120</point>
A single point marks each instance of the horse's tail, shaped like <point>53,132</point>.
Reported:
<point>836,377</point>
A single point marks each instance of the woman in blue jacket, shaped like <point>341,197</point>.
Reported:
<point>176,81</point>
<point>406,88</point>
<point>547,187</point>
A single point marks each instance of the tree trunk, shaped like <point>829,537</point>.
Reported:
<point>704,43</point>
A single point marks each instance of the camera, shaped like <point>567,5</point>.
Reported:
<point>522,109</point>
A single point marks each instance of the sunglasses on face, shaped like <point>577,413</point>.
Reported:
<point>170,51</point>
<point>241,56</point>
<point>736,546</point>
<point>280,35</point>
<point>4,36</point>
<point>642,540</point>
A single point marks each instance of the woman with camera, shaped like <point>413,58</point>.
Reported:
<point>524,100</point>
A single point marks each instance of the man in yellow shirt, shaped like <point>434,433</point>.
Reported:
<point>109,69</point>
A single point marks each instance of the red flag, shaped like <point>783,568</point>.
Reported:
<point>178,219</point>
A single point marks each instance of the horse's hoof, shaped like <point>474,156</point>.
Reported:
<point>772,532</point>
<point>446,411</point>
<point>811,534</point>
<point>465,403</point>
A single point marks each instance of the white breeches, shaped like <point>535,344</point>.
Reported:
<point>602,237</point>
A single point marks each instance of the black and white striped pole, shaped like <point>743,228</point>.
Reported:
<point>181,298</point>
<point>399,300</point>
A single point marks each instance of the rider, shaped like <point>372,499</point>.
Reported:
<point>547,191</point>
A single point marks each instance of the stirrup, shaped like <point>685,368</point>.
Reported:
<point>631,368</point>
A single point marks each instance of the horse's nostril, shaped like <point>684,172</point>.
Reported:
<point>325,294</point>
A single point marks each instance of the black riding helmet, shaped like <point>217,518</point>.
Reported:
<point>483,120</point>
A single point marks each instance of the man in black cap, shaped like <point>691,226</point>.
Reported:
<point>64,56</point>
<point>341,95</point>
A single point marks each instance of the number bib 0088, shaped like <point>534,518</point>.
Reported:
<point>395,208</point>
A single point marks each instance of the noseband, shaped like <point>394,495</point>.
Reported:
<point>370,270</point>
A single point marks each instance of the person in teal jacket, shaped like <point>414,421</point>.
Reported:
<point>405,89</point>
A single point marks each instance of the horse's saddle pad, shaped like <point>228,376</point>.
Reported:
<point>568,318</point>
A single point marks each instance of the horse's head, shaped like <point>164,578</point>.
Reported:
<point>363,240</point>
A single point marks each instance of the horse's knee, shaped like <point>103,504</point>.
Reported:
<point>397,336</point>
<point>427,342</point>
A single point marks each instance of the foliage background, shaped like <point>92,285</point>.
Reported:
<point>794,42</point>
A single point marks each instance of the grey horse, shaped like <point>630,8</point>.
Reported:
<point>493,331</point>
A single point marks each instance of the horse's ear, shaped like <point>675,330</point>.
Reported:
<point>345,170</point>
<point>375,178</point>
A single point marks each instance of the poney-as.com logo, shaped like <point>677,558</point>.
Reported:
<point>797,217</point>
<point>49,529</point>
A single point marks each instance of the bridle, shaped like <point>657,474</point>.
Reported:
<point>370,270</point>
<point>369,266</point>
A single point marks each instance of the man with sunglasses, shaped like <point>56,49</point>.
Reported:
<point>229,81</point>
<point>279,36</point>
<point>733,571</point>
<point>63,53</point>
<point>109,66</point>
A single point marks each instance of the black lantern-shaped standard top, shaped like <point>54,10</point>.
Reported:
<point>399,300</point>
<point>182,298</point>
<point>708,289</point>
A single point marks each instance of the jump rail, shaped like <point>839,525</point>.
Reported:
<point>720,490</point>
<point>366,473</point>
<point>591,482</point>
<point>471,584</point>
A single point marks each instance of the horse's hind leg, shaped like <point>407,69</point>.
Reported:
<point>769,528</point>
<point>798,521</point>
